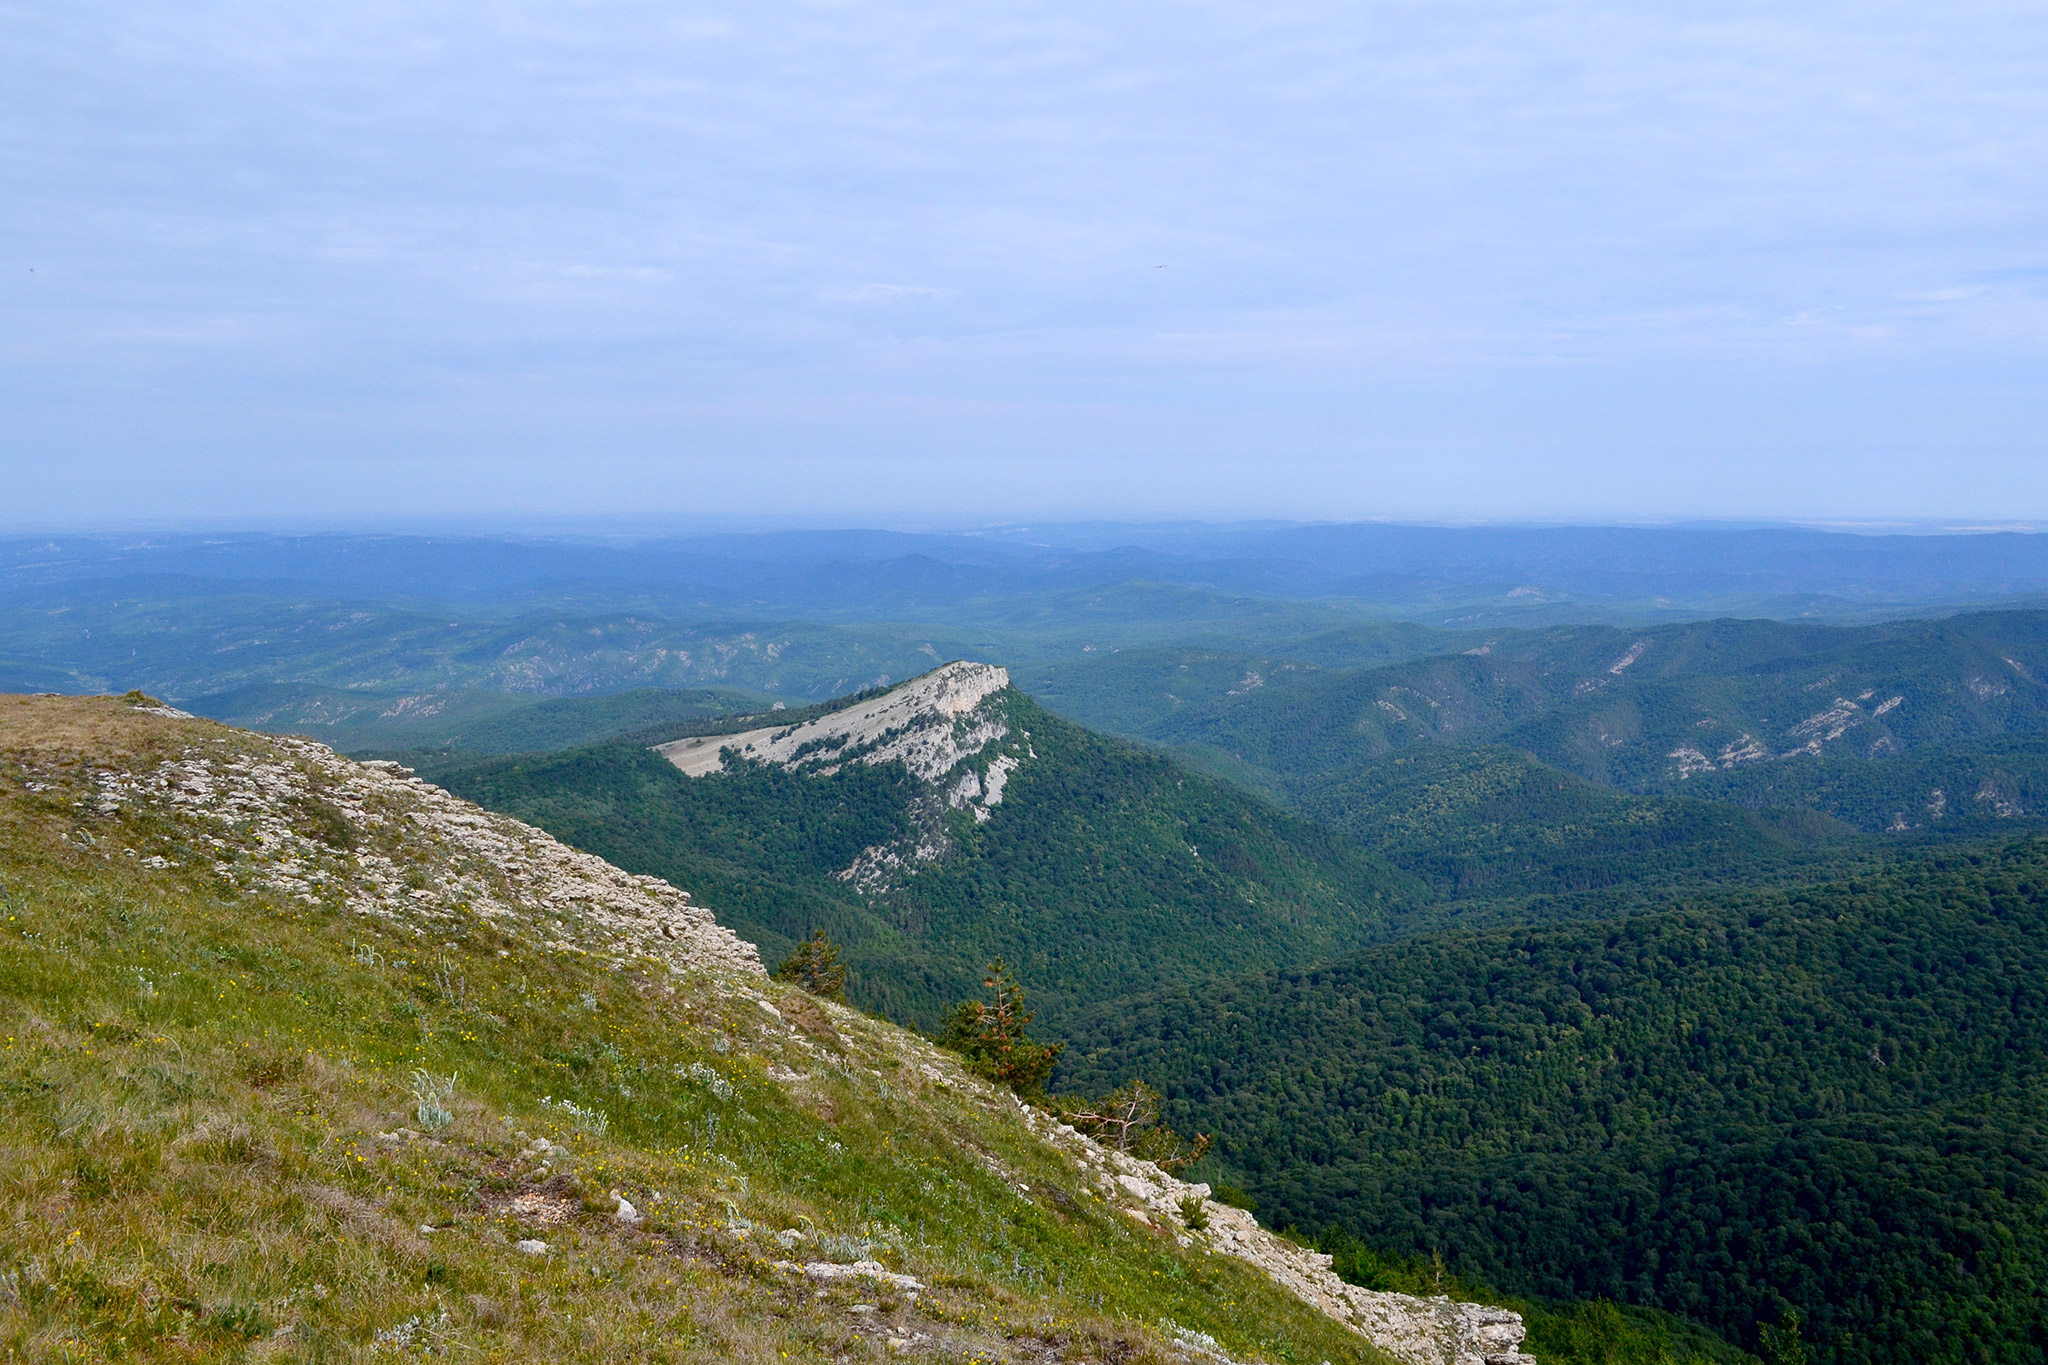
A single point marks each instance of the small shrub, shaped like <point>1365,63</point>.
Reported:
<point>1127,1119</point>
<point>325,822</point>
<point>707,1077</point>
<point>90,1178</point>
<point>592,1121</point>
<point>265,1067</point>
<point>845,1247</point>
<point>1782,1343</point>
<point>1223,1192</point>
<point>1193,1215</point>
<point>432,1097</point>
<point>239,1320</point>
<point>419,1330</point>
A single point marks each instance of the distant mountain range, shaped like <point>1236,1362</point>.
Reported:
<point>1446,576</point>
<point>472,719</point>
<point>1916,726</point>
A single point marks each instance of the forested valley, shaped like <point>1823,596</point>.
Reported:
<point>1675,981</point>
<point>1829,1103</point>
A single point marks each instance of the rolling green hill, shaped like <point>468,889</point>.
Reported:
<point>1136,690</point>
<point>1495,834</point>
<point>1829,1101</point>
<point>185,637</point>
<point>466,721</point>
<point>1752,712</point>
<point>1105,869</point>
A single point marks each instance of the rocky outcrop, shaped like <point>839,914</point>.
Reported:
<point>297,821</point>
<point>947,727</point>
<point>1435,1331</point>
<point>932,723</point>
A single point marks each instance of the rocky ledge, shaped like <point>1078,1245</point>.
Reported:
<point>1418,1331</point>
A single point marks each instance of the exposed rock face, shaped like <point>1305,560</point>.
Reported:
<point>929,722</point>
<point>1415,1330</point>
<point>947,729</point>
<point>306,824</point>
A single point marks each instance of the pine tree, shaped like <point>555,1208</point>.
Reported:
<point>1127,1119</point>
<point>816,966</point>
<point>992,1035</point>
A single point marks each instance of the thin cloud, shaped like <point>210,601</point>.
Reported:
<point>560,230</point>
<point>890,293</point>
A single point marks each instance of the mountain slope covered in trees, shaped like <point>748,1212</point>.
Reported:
<point>1927,728</point>
<point>1828,1102</point>
<point>1104,869</point>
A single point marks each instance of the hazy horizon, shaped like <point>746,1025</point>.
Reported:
<point>884,264</point>
<point>628,528</point>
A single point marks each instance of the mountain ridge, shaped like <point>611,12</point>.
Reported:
<point>1089,864</point>
<point>353,864</point>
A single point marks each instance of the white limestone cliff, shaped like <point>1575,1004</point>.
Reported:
<point>1417,1331</point>
<point>946,727</point>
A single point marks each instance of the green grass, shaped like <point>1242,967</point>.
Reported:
<point>193,1080</point>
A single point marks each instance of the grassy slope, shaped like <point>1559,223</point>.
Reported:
<point>192,1079</point>
<point>1106,869</point>
<point>1833,1100</point>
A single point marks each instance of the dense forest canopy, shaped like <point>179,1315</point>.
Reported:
<point>1830,1101</point>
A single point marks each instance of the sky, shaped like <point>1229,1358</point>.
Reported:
<point>900,264</point>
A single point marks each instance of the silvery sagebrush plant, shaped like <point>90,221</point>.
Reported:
<point>432,1097</point>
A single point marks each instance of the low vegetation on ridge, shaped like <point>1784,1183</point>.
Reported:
<point>257,1107</point>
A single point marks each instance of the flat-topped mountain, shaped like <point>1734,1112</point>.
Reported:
<point>935,726</point>
<point>949,820</point>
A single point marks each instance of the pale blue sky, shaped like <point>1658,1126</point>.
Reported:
<point>900,263</point>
